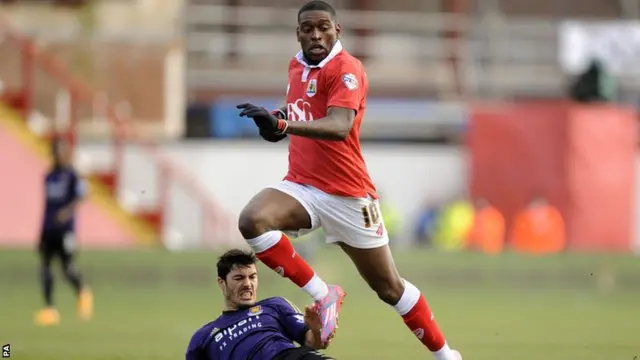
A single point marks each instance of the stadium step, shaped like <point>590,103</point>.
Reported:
<point>152,217</point>
<point>12,98</point>
<point>109,180</point>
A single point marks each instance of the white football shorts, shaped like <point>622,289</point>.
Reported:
<point>356,222</point>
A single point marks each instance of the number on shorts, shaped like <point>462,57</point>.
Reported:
<point>371,214</point>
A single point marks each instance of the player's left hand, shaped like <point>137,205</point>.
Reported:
<point>264,120</point>
<point>314,324</point>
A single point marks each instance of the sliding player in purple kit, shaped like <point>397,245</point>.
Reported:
<point>255,330</point>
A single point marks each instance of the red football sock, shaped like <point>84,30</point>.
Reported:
<point>282,258</point>
<point>420,321</point>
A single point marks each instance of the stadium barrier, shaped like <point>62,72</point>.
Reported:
<point>581,157</point>
<point>406,175</point>
<point>412,176</point>
<point>412,120</point>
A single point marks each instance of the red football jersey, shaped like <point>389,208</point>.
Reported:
<point>335,167</point>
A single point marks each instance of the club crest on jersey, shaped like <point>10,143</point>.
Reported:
<point>312,88</point>
<point>256,310</point>
<point>350,81</point>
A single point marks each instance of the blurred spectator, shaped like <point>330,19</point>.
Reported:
<point>488,232</point>
<point>454,225</point>
<point>538,229</point>
<point>595,84</point>
<point>426,223</point>
<point>392,218</point>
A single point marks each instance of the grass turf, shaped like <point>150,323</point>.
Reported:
<point>148,303</point>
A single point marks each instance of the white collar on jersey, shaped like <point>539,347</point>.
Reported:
<point>335,51</point>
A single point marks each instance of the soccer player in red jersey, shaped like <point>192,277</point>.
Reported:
<point>328,183</point>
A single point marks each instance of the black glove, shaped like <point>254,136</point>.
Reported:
<point>271,124</point>
<point>263,119</point>
<point>271,137</point>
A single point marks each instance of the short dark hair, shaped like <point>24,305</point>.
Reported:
<point>317,5</point>
<point>234,257</point>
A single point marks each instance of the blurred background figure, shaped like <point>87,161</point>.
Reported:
<point>64,190</point>
<point>538,229</point>
<point>392,218</point>
<point>492,99</point>
<point>427,222</point>
<point>595,84</point>
<point>453,226</point>
<point>487,234</point>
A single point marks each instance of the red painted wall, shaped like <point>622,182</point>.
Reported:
<point>582,158</point>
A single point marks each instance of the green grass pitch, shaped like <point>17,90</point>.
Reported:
<point>148,303</point>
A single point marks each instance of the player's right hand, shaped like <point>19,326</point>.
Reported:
<point>271,137</point>
<point>274,137</point>
<point>263,119</point>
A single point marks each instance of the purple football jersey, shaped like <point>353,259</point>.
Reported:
<point>62,187</point>
<point>259,332</point>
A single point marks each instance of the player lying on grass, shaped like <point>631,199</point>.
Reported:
<point>328,184</point>
<point>250,330</point>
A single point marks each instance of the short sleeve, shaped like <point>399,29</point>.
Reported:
<point>292,321</point>
<point>81,188</point>
<point>345,86</point>
<point>77,185</point>
<point>195,354</point>
<point>194,349</point>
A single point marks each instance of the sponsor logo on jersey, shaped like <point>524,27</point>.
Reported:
<point>224,337</point>
<point>58,189</point>
<point>299,110</point>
